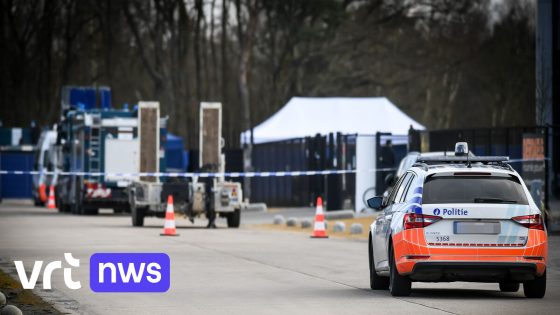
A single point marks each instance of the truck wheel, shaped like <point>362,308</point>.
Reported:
<point>75,208</point>
<point>63,207</point>
<point>509,286</point>
<point>137,216</point>
<point>535,288</point>
<point>376,282</point>
<point>234,218</point>
<point>398,285</point>
<point>89,210</point>
<point>37,202</point>
<point>59,204</point>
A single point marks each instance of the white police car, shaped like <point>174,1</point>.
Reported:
<point>458,218</point>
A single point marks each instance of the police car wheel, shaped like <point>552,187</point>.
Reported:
<point>376,282</point>
<point>535,288</point>
<point>509,286</point>
<point>398,285</point>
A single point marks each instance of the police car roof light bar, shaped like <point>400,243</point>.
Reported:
<point>500,161</point>
<point>462,159</point>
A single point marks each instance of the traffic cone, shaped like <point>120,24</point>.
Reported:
<point>169,225</point>
<point>43,193</point>
<point>51,204</point>
<point>319,227</point>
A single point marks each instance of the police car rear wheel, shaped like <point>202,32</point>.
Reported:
<point>376,282</point>
<point>398,285</point>
<point>509,286</point>
<point>535,288</point>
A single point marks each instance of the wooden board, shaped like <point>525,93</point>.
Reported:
<point>210,135</point>
<point>148,133</point>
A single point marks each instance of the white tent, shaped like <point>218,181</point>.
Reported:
<point>308,116</point>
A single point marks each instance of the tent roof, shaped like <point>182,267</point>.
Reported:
<point>308,116</point>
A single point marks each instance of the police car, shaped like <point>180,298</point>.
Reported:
<point>458,218</point>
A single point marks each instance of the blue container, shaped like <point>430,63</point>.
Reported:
<point>16,186</point>
<point>176,158</point>
<point>86,96</point>
<point>105,97</point>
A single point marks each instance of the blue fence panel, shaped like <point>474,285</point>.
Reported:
<point>16,186</point>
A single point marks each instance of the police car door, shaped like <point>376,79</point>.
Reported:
<point>383,230</point>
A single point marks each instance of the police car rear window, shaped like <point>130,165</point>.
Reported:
<point>473,189</point>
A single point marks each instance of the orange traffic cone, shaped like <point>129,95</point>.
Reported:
<point>169,225</point>
<point>51,204</point>
<point>43,193</point>
<point>319,227</point>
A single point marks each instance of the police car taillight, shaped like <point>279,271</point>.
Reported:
<point>416,220</point>
<point>533,221</point>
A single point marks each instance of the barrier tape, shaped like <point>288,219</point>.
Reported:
<point>188,174</point>
<point>226,174</point>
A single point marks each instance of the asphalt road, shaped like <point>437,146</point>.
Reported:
<point>239,271</point>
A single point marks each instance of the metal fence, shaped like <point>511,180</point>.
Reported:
<point>329,152</point>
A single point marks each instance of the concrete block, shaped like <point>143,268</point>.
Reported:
<point>306,223</point>
<point>279,219</point>
<point>339,227</point>
<point>356,228</point>
<point>291,222</point>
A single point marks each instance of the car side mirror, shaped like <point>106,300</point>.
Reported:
<point>375,203</point>
<point>389,179</point>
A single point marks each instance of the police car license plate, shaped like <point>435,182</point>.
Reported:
<point>461,227</point>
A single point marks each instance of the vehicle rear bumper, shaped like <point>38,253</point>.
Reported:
<point>114,198</point>
<point>480,264</point>
<point>447,271</point>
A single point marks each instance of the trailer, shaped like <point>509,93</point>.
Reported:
<point>214,196</point>
<point>147,195</point>
<point>203,196</point>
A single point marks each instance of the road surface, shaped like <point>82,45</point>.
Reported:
<point>239,271</point>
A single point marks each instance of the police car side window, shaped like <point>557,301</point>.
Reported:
<point>401,188</point>
<point>409,189</point>
<point>391,198</point>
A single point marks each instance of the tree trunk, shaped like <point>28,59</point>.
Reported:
<point>198,66</point>
<point>243,86</point>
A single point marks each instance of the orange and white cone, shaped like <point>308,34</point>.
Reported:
<point>51,204</point>
<point>319,227</point>
<point>169,225</point>
<point>43,193</point>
